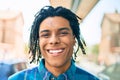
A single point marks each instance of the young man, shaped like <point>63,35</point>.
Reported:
<point>54,33</point>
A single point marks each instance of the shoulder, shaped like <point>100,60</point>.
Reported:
<point>23,74</point>
<point>83,74</point>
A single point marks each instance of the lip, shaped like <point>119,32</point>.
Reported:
<point>55,52</point>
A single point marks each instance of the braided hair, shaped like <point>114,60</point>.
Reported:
<point>49,11</point>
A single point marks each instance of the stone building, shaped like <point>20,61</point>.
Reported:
<point>11,34</point>
<point>110,40</point>
<point>80,7</point>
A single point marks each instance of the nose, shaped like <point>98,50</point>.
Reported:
<point>54,40</point>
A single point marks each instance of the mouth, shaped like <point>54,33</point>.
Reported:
<point>55,52</point>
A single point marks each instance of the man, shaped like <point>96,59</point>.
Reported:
<point>54,33</point>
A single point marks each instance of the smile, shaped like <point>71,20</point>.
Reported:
<point>55,51</point>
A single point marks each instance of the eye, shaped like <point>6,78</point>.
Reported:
<point>44,35</point>
<point>63,33</point>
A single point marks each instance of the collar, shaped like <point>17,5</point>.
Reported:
<point>46,75</point>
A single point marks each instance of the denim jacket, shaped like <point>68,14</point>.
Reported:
<point>41,73</point>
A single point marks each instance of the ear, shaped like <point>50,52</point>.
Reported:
<point>74,40</point>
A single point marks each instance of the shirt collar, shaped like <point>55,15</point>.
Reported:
<point>71,71</point>
<point>45,74</point>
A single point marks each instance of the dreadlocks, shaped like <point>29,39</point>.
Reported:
<point>49,11</point>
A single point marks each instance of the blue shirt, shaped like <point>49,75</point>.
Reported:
<point>41,73</point>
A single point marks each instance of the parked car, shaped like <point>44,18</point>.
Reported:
<point>111,72</point>
<point>8,68</point>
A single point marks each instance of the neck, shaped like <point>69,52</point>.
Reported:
<point>57,70</point>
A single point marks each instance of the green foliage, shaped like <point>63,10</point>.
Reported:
<point>26,48</point>
<point>95,49</point>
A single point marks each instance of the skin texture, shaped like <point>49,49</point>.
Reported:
<point>56,41</point>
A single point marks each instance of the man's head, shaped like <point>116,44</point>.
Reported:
<point>44,14</point>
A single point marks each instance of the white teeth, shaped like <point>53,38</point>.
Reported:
<point>55,51</point>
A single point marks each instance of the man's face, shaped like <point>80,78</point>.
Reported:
<point>56,41</point>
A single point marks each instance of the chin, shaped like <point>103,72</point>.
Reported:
<point>60,63</point>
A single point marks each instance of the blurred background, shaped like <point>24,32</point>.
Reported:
<point>100,27</point>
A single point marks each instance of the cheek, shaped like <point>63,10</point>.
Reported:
<point>41,44</point>
<point>70,42</point>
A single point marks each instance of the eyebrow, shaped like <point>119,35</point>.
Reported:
<point>58,30</point>
<point>44,31</point>
<point>64,29</point>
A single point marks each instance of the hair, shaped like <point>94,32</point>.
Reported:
<point>49,11</point>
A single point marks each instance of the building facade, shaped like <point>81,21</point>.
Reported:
<point>110,39</point>
<point>11,34</point>
<point>80,7</point>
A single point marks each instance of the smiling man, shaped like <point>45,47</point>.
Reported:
<point>54,33</point>
<point>56,42</point>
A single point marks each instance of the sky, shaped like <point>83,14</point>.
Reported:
<point>90,27</point>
